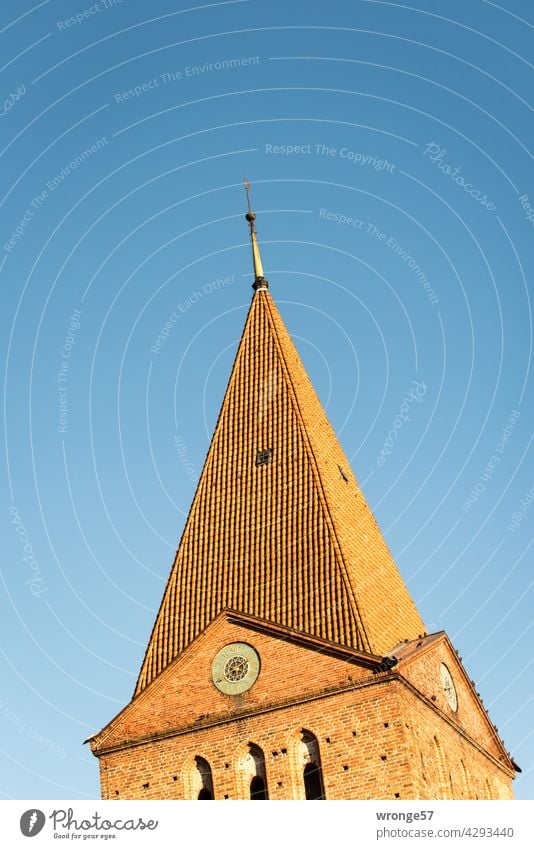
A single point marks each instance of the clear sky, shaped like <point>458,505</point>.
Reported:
<point>389,151</point>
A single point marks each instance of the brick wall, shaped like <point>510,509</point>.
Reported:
<point>375,733</point>
<point>445,764</point>
<point>360,756</point>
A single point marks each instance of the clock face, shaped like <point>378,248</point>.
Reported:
<point>448,686</point>
<point>235,668</point>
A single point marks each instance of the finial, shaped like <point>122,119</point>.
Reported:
<point>259,280</point>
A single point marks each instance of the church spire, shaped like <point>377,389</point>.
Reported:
<point>279,528</point>
<point>259,280</point>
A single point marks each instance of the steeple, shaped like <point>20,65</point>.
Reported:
<point>285,625</point>
<point>279,528</point>
<point>259,280</point>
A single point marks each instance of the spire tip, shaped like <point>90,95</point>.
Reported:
<point>259,280</point>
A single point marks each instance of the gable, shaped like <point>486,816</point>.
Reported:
<point>184,695</point>
<point>423,669</point>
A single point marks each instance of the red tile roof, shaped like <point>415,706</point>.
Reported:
<point>291,540</point>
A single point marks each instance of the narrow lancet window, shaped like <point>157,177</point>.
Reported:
<point>309,760</point>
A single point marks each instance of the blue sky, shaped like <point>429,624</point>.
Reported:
<point>389,150</point>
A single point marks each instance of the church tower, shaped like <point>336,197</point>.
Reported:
<point>287,659</point>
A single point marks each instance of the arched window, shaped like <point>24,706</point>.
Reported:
<point>309,761</point>
<point>202,780</point>
<point>252,773</point>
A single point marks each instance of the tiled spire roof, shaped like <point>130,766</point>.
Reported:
<point>290,539</point>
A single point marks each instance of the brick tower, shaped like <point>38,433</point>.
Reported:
<point>287,660</point>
